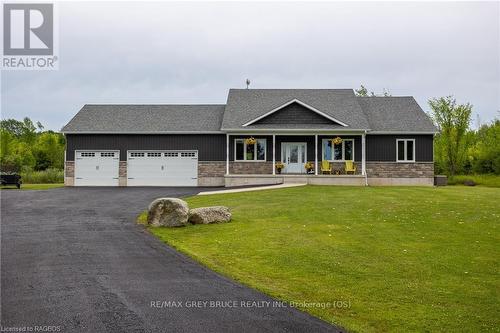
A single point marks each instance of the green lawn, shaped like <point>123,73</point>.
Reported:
<point>33,187</point>
<point>408,259</point>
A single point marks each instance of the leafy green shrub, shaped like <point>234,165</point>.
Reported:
<point>48,176</point>
<point>485,153</point>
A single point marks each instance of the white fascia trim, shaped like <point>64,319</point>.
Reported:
<point>400,132</point>
<point>243,131</point>
<point>299,102</point>
<point>147,133</point>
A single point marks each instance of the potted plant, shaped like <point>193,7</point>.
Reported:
<point>279,166</point>
<point>309,166</point>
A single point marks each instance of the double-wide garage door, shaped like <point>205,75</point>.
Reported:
<point>144,168</point>
<point>162,168</point>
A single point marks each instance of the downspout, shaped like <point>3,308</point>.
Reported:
<point>64,165</point>
<point>364,158</point>
<point>227,154</point>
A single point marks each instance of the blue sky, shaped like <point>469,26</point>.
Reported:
<point>166,52</point>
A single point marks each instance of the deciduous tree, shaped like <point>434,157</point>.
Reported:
<point>453,122</point>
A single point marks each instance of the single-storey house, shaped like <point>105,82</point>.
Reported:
<point>260,136</point>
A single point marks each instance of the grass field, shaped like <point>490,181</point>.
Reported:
<point>33,187</point>
<point>406,259</point>
<point>482,180</point>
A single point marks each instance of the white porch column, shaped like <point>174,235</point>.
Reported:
<point>274,154</point>
<point>316,154</point>
<point>227,154</point>
<point>363,154</point>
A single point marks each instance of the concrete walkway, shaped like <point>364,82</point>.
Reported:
<point>249,189</point>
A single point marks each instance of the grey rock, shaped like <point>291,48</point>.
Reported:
<point>168,212</point>
<point>207,215</point>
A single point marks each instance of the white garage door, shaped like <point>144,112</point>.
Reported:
<point>96,168</point>
<point>162,168</point>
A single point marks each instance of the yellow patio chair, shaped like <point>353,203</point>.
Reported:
<point>350,167</point>
<point>326,167</point>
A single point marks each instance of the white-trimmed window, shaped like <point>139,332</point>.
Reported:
<point>405,150</point>
<point>338,152</point>
<point>253,152</point>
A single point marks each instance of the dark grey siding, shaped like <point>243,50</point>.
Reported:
<point>382,148</point>
<point>294,114</point>
<point>211,147</point>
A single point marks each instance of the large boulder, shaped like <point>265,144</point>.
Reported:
<point>207,215</point>
<point>168,212</point>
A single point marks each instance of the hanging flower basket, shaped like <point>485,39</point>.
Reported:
<point>309,166</point>
<point>250,141</point>
<point>336,141</point>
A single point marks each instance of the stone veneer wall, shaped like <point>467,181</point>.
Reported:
<point>122,173</point>
<point>69,169</point>
<point>399,170</point>
<point>251,168</point>
<point>211,173</point>
<point>69,173</point>
<point>211,169</point>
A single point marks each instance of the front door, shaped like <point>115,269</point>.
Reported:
<point>293,155</point>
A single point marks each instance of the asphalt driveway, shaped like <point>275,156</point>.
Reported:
<point>74,260</point>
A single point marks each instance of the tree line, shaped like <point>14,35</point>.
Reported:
<point>457,148</point>
<point>25,146</point>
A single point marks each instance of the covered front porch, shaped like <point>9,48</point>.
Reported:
<point>336,158</point>
<point>246,180</point>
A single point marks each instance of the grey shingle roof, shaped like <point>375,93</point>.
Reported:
<point>395,114</point>
<point>106,118</point>
<point>244,105</point>
<point>382,114</point>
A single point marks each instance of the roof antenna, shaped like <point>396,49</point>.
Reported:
<point>248,83</point>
